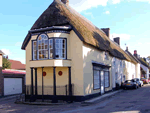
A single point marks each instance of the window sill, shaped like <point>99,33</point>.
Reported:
<point>51,63</point>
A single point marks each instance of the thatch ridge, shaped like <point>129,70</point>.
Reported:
<point>60,14</point>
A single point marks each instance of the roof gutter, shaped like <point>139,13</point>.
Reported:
<point>67,28</point>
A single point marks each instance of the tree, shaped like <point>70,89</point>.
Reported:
<point>6,63</point>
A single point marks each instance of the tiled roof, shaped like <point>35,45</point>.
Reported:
<point>17,65</point>
<point>13,72</point>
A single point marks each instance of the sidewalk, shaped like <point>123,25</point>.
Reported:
<point>8,97</point>
<point>100,98</point>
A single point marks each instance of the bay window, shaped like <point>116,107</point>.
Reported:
<point>48,48</point>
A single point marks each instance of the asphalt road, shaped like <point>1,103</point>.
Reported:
<point>127,101</point>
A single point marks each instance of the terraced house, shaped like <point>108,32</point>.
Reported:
<point>67,57</point>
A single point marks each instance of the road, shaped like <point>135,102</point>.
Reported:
<point>127,101</point>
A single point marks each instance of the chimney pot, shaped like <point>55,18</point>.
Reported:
<point>65,2</point>
<point>106,31</point>
<point>135,53</point>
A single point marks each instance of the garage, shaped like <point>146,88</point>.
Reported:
<point>12,82</point>
<point>12,86</point>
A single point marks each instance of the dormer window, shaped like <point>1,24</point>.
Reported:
<point>49,48</point>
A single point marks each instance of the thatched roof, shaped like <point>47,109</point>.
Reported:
<point>58,14</point>
<point>133,58</point>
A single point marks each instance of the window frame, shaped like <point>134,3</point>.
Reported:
<point>108,79</point>
<point>49,38</point>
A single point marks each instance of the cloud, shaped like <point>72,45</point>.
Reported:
<point>89,14</point>
<point>107,12</point>
<point>6,51</point>
<point>115,1</point>
<point>81,5</point>
<point>122,36</point>
<point>18,44</point>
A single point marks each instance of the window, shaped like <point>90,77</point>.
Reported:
<point>106,55</point>
<point>50,48</point>
<point>34,50</point>
<point>53,48</point>
<point>96,84</point>
<point>120,63</point>
<point>114,61</point>
<point>42,47</point>
<point>60,48</point>
<point>106,74</point>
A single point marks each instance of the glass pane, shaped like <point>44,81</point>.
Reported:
<point>39,37</point>
<point>40,42</point>
<point>51,55</point>
<point>35,57</point>
<point>46,52</point>
<point>42,46</point>
<point>46,42</point>
<point>57,41</point>
<point>34,44</point>
<point>40,55</point>
<point>51,41</point>
<point>57,45</point>
<point>51,50</point>
<point>34,47</point>
<point>40,52</point>
<point>63,55</point>
<point>46,46</point>
<point>34,52</point>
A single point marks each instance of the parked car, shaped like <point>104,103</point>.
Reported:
<point>130,84</point>
<point>145,81</point>
<point>140,83</point>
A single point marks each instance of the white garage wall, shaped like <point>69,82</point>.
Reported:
<point>12,86</point>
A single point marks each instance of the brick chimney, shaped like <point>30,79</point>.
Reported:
<point>117,40</point>
<point>65,2</point>
<point>107,31</point>
<point>135,53</point>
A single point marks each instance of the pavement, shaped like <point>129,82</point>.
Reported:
<point>126,101</point>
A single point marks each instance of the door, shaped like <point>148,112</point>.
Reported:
<point>12,86</point>
<point>102,82</point>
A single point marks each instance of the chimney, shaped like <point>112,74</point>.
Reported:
<point>135,53</point>
<point>127,48</point>
<point>65,2</point>
<point>117,40</point>
<point>107,31</point>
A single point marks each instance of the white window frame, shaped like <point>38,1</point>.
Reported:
<point>51,49</point>
<point>96,81</point>
<point>34,50</point>
<point>107,80</point>
<point>60,48</point>
<point>46,38</point>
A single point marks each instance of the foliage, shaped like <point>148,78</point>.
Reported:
<point>6,63</point>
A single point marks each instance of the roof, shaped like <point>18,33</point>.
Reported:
<point>142,62</point>
<point>133,58</point>
<point>13,72</point>
<point>17,65</point>
<point>58,14</point>
<point>1,52</point>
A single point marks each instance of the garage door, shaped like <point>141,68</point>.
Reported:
<point>12,86</point>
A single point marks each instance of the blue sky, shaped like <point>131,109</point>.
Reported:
<point>128,19</point>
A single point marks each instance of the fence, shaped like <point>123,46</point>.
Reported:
<point>48,90</point>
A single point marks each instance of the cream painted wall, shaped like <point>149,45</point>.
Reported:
<point>137,70</point>
<point>74,52</point>
<point>91,54</point>
<point>117,68</point>
<point>130,70</point>
<point>76,63</point>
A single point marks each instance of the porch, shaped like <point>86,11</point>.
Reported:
<point>50,84</point>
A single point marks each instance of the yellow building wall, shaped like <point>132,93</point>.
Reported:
<point>74,52</point>
<point>91,54</point>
